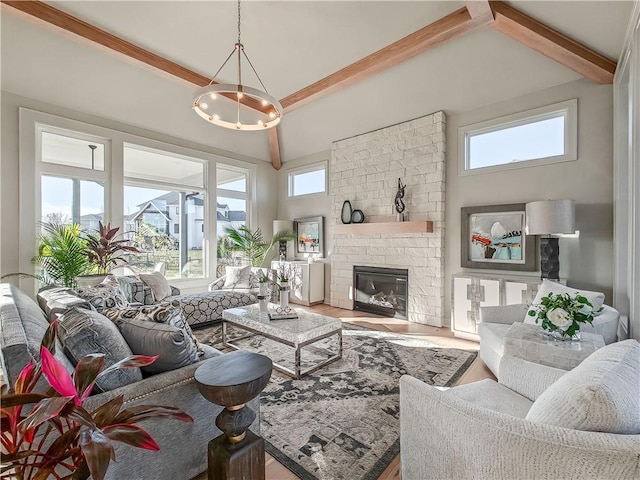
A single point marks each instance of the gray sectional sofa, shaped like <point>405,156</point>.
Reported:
<point>183,446</point>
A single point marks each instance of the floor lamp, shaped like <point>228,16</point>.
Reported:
<point>550,217</point>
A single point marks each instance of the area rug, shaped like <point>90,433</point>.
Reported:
<point>343,421</point>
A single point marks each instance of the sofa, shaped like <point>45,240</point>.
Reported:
<point>200,309</point>
<point>183,446</point>
<point>536,422</point>
<point>494,322</point>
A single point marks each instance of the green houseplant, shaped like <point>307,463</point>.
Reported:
<point>57,437</point>
<point>61,254</point>
<point>252,243</point>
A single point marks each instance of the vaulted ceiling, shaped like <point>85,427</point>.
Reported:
<point>292,45</point>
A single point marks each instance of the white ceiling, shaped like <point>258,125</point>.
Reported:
<point>291,44</point>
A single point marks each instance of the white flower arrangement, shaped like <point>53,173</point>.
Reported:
<point>562,313</point>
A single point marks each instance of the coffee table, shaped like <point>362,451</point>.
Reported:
<point>305,330</point>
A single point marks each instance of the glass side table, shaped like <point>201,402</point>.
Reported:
<point>529,342</point>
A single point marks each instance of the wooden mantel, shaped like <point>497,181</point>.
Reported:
<point>383,227</point>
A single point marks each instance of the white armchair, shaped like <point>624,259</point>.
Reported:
<point>495,321</point>
<point>489,430</point>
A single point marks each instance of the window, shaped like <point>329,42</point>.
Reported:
<point>158,186</point>
<point>72,178</point>
<point>232,209</point>
<point>540,136</point>
<point>308,180</point>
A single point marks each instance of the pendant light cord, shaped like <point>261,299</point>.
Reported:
<point>239,22</point>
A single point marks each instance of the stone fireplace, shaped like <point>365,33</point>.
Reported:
<point>365,170</point>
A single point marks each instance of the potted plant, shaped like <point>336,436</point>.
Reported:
<point>252,243</point>
<point>61,254</point>
<point>104,251</point>
<point>58,437</point>
<point>560,315</point>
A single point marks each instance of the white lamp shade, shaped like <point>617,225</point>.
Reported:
<point>282,226</point>
<point>550,217</point>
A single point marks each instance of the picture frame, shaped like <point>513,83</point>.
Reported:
<point>309,235</point>
<point>492,237</point>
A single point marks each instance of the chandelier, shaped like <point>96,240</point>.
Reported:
<point>260,110</point>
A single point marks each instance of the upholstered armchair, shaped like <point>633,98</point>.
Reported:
<point>494,322</point>
<point>536,422</point>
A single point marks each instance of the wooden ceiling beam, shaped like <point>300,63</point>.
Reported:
<point>69,23</point>
<point>479,8</point>
<point>447,28</point>
<point>274,148</point>
<point>552,44</point>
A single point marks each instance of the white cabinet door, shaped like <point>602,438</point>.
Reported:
<point>462,319</point>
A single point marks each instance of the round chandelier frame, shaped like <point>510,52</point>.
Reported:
<point>244,97</point>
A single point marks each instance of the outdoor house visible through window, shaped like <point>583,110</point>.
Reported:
<point>309,180</point>
<point>544,135</point>
<point>164,210</point>
<point>232,209</point>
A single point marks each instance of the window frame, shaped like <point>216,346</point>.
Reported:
<point>113,177</point>
<point>567,109</point>
<point>314,167</point>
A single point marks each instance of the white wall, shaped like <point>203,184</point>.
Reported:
<point>586,262</point>
<point>266,199</point>
<point>308,206</point>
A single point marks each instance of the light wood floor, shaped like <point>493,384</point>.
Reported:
<point>441,336</point>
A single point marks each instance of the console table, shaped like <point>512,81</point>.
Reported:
<point>470,291</point>
<point>307,281</point>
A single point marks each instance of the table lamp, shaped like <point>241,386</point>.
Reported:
<point>550,217</point>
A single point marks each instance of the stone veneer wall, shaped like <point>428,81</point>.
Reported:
<point>365,170</point>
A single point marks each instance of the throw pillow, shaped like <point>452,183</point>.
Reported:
<point>54,300</point>
<point>158,284</point>
<point>150,338</point>
<point>547,287</point>
<point>599,395</point>
<point>107,294</point>
<point>83,332</point>
<point>237,277</point>
<point>165,312</point>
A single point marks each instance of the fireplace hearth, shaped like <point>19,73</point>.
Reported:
<point>382,291</point>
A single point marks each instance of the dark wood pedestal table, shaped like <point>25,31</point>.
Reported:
<point>231,380</point>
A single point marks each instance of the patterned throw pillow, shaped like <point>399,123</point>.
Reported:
<point>107,294</point>
<point>165,312</point>
<point>83,332</point>
<point>55,300</point>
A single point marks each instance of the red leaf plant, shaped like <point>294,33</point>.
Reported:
<point>104,251</point>
<point>57,437</point>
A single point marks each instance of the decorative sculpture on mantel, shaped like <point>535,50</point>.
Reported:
<point>399,204</point>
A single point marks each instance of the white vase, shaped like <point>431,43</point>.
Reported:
<point>284,297</point>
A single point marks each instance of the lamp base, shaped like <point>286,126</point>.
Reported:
<point>549,258</point>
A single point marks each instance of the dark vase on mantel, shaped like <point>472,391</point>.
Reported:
<point>346,213</point>
<point>357,216</point>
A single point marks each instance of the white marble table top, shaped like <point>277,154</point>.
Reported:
<point>531,343</point>
<point>302,329</point>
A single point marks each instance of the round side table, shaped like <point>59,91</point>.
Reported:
<point>231,380</point>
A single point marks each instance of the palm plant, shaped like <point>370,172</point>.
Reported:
<point>252,244</point>
<point>61,253</point>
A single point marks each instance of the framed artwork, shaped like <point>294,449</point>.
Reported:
<point>310,235</point>
<point>493,238</point>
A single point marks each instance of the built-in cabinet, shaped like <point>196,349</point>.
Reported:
<point>306,279</point>
<point>471,291</point>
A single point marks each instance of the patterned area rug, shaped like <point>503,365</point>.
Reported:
<point>343,421</point>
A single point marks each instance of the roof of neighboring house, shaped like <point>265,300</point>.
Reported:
<point>233,216</point>
<point>91,216</point>
<point>155,207</point>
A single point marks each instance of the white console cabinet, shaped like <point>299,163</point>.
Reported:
<point>307,281</point>
<point>470,291</point>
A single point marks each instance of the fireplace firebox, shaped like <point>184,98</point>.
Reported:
<point>382,291</point>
